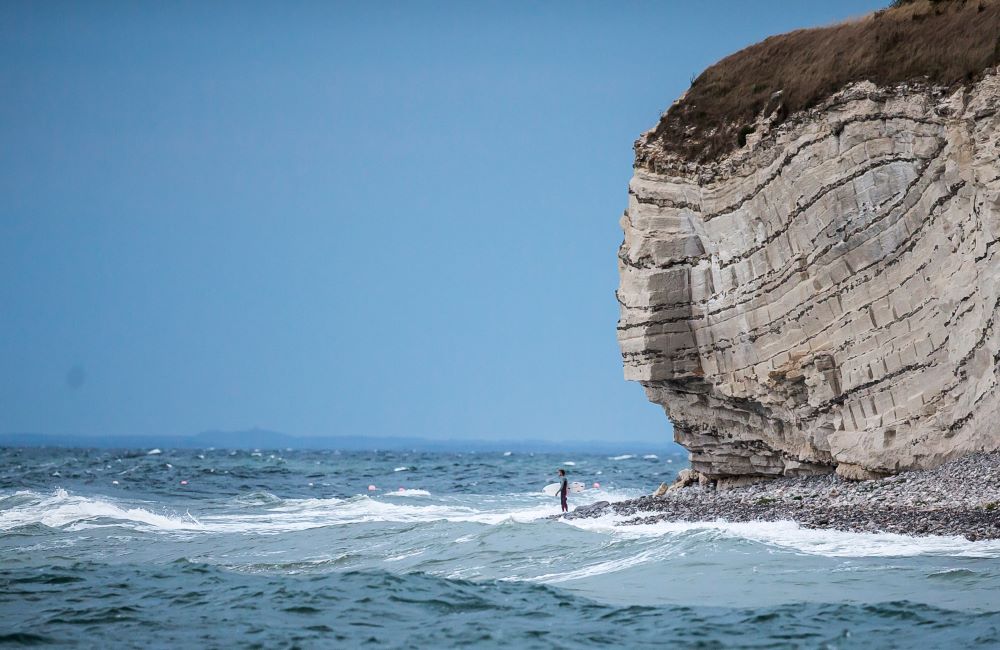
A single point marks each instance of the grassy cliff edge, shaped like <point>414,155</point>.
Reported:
<point>936,42</point>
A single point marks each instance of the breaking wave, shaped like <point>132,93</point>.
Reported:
<point>265,513</point>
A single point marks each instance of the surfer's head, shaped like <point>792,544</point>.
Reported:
<point>562,472</point>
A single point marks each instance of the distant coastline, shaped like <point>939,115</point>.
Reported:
<point>265,439</point>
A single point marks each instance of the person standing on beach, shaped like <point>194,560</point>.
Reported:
<point>563,489</point>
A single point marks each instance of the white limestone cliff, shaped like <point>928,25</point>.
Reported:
<point>825,298</point>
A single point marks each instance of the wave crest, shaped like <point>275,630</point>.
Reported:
<point>66,511</point>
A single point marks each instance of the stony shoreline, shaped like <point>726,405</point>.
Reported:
<point>960,498</point>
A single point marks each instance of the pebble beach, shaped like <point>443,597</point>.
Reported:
<point>959,498</point>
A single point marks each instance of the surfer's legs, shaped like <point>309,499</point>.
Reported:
<point>564,507</point>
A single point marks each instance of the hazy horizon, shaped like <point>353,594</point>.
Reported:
<point>251,439</point>
<point>358,219</point>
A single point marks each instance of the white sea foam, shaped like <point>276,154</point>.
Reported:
<point>608,566</point>
<point>403,556</point>
<point>790,536</point>
<point>622,457</point>
<point>650,457</point>
<point>607,493</point>
<point>401,469</point>
<point>70,512</point>
<point>408,492</point>
<point>63,510</point>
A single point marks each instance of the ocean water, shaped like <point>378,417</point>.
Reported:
<point>281,548</point>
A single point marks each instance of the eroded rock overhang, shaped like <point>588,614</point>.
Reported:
<point>824,298</point>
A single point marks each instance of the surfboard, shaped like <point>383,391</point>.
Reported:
<point>552,489</point>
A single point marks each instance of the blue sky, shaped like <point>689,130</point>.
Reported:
<point>333,218</point>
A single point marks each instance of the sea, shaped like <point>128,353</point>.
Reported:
<point>281,548</point>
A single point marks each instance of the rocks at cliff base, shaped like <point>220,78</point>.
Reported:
<point>592,510</point>
<point>825,298</point>
<point>736,482</point>
<point>853,472</point>
<point>688,477</point>
<point>685,477</point>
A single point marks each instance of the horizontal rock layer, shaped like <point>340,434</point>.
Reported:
<point>825,297</point>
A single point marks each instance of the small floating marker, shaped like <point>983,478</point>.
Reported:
<point>114,482</point>
<point>310,485</point>
<point>401,489</point>
<point>184,482</point>
<point>596,485</point>
<point>372,488</point>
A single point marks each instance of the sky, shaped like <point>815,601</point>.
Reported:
<point>334,218</point>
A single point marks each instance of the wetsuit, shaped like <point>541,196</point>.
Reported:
<point>563,491</point>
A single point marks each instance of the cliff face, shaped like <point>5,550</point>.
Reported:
<point>825,297</point>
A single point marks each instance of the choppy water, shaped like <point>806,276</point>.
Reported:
<point>289,548</point>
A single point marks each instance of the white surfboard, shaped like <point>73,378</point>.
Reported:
<point>552,489</point>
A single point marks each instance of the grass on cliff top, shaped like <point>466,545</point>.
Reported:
<point>944,42</point>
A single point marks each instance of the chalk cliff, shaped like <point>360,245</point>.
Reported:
<point>826,296</point>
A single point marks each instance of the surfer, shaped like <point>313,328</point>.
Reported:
<point>563,489</point>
